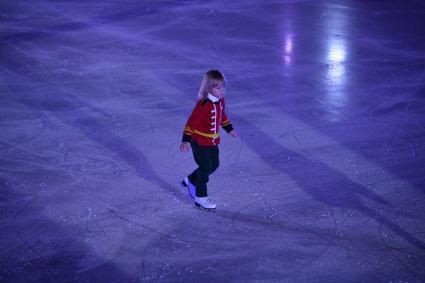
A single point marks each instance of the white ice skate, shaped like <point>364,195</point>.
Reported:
<point>204,202</point>
<point>189,186</point>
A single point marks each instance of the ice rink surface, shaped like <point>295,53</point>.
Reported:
<point>325,183</point>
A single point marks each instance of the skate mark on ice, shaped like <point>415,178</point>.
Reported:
<point>407,213</point>
<point>31,247</point>
<point>306,172</point>
<point>403,118</point>
<point>109,140</point>
<point>21,135</point>
<point>258,224</point>
<point>55,249</point>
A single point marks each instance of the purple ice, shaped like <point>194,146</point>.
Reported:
<point>325,183</point>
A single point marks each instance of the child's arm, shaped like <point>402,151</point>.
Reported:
<point>191,124</point>
<point>226,125</point>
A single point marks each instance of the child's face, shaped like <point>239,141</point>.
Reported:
<point>218,91</point>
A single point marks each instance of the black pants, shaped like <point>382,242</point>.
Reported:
<point>207,159</point>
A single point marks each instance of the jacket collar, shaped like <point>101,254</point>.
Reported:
<point>213,98</point>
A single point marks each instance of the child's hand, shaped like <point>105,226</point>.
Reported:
<point>233,133</point>
<point>184,147</point>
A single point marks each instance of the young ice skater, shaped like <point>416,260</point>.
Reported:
<point>201,133</point>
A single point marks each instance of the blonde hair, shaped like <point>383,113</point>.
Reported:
<point>211,79</point>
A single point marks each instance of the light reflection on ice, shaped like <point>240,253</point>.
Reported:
<point>288,43</point>
<point>336,60</point>
<point>288,49</point>
<point>336,73</point>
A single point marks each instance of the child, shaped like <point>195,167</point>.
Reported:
<point>202,134</point>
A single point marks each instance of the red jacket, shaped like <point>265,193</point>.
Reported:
<point>204,123</point>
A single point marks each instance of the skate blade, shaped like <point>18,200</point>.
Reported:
<point>186,188</point>
<point>205,208</point>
